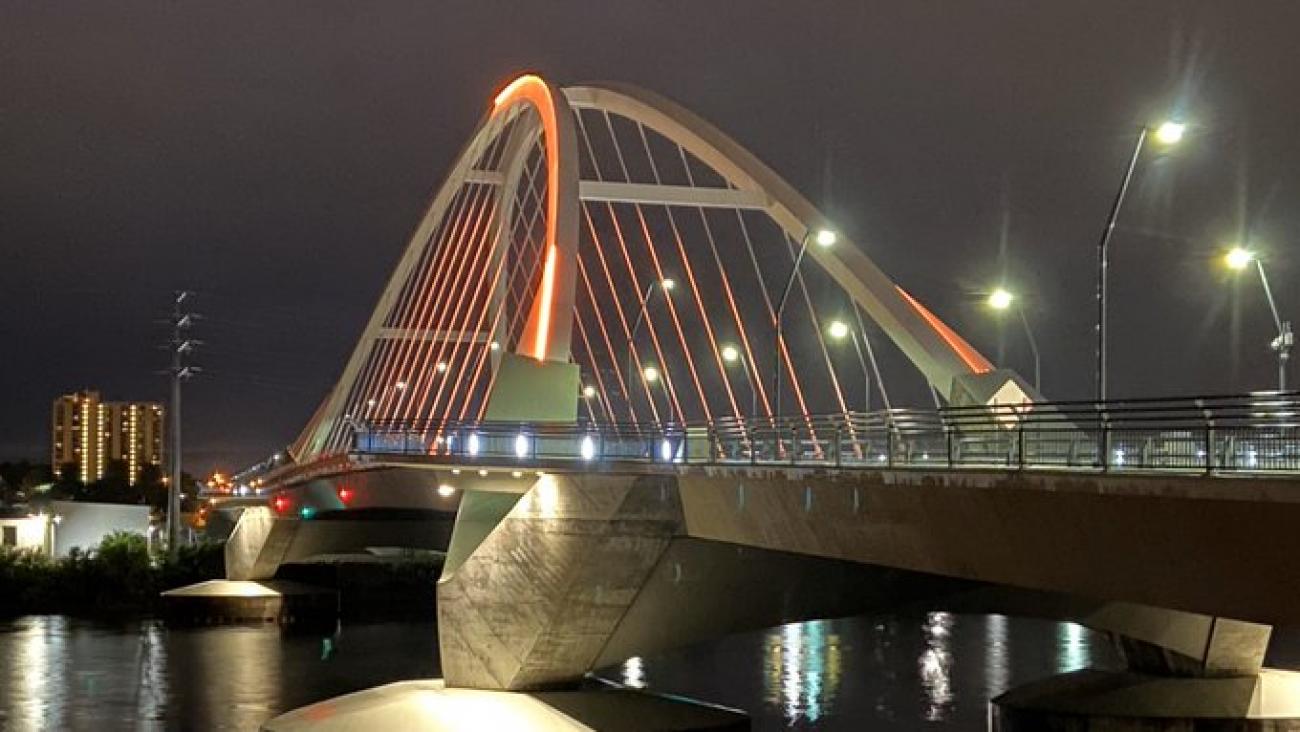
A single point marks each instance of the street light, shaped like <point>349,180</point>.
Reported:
<point>733,356</point>
<point>1168,133</point>
<point>1002,300</point>
<point>1239,258</point>
<point>589,393</point>
<point>839,330</point>
<point>665,286</point>
<point>825,238</point>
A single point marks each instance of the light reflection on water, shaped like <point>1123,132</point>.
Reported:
<point>1073,648</point>
<point>935,665</point>
<point>802,663</point>
<point>888,674</point>
<point>634,673</point>
<point>934,670</point>
<point>59,673</point>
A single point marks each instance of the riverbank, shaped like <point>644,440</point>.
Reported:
<point>119,578</point>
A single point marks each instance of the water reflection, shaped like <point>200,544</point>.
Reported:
<point>1073,651</point>
<point>60,673</point>
<point>151,692</point>
<point>997,656</point>
<point>888,674</point>
<point>634,673</point>
<point>38,646</point>
<point>935,665</point>
<point>803,663</point>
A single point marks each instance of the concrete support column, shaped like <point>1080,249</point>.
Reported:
<point>533,605</point>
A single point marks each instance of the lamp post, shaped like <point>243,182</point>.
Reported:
<point>665,286</point>
<point>839,330</point>
<point>825,238</point>
<point>1168,133</point>
<point>732,356</point>
<point>1002,300</point>
<point>650,374</point>
<point>590,393</point>
<point>1239,258</point>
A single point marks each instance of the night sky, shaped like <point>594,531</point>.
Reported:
<point>275,157</point>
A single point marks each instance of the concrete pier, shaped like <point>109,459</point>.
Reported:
<point>217,602</point>
<point>429,706</point>
<point>1100,701</point>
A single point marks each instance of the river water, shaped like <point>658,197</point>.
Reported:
<point>931,671</point>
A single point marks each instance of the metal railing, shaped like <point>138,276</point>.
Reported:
<point>1257,433</point>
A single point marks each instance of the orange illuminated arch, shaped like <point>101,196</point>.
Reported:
<point>547,334</point>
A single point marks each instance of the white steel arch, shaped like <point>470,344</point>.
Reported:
<point>534,107</point>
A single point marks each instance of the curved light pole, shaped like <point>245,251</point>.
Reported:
<point>1239,258</point>
<point>1002,300</point>
<point>1168,133</point>
<point>825,238</point>
<point>733,356</point>
<point>665,286</point>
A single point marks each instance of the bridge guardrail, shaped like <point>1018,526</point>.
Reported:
<point>1257,433</point>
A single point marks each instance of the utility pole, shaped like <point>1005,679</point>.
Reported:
<point>181,347</point>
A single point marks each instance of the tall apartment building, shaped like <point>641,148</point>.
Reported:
<point>92,433</point>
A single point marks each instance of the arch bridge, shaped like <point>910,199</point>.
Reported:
<point>643,370</point>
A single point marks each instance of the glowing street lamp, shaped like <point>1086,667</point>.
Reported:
<point>1170,132</point>
<point>732,356</point>
<point>825,239</point>
<point>651,374</point>
<point>589,393</point>
<point>839,330</point>
<point>666,286</point>
<point>1167,133</point>
<point>1238,259</point>
<point>1002,300</point>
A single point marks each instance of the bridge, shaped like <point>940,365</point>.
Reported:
<point>635,365</point>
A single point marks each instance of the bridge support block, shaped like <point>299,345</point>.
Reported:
<point>1100,701</point>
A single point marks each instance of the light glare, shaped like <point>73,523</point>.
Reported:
<point>730,354</point>
<point>1000,299</point>
<point>826,238</point>
<point>838,329</point>
<point>1170,132</point>
<point>1238,258</point>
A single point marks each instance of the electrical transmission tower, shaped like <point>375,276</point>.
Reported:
<point>181,347</point>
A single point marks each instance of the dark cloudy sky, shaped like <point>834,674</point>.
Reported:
<point>275,155</point>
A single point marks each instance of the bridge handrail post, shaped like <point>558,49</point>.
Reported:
<point>839,446</point>
<point>794,444</point>
<point>1020,440</point>
<point>947,435</point>
<point>889,448</point>
<point>1105,445</point>
<point>1209,446</point>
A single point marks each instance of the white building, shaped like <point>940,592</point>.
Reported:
<point>61,525</point>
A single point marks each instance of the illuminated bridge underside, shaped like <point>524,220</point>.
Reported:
<point>528,275</point>
<point>700,553</point>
